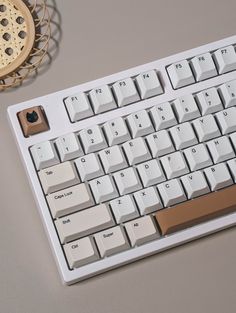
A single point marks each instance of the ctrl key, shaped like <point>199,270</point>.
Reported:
<point>81,252</point>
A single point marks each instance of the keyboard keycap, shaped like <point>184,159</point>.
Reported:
<point>218,176</point>
<point>116,131</point>
<point>44,155</point>
<point>151,173</point>
<point>228,93</point>
<point>140,124</point>
<point>58,177</point>
<point>163,116</point>
<point>206,128</point>
<point>225,59</point>
<point>103,188</point>
<point>136,151</point>
<point>69,147</point>
<point>186,108</point>
<point>180,74</point>
<point>209,101</point>
<point>89,167</point>
<point>141,230</point>
<point>78,107</point>
<point>221,149</point>
<point>198,157</point>
<point>195,184</point>
<point>81,252</point>
<point>149,84</point>
<point>171,192</point>
<point>227,120</point>
<point>124,209</point>
<point>148,200</point>
<point>193,212</point>
<point>232,167</point>
<point>70,200</point>
<point>203,66</point>
<point>183,135</point>
<point>113,159</point>
<point>111,241</point>
<point>174,165</point>
<point>92,139</point>
<point>102,99</point>
<point>125,92</point>
<point>84,223</point>
<point>127,180</point>
<point>160,143</point>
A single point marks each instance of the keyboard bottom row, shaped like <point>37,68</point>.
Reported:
<point>138,231</point>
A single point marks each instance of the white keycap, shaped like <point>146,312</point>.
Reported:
<point>113,159</point>
<point>81,252</point>
<point>180,74</point>
<point>102,99</point>
<point>227,120</point>
<point>92,139</point>
<point>209,101</point>
<point>174,165</point>
<point>69,147</point>
<point>111,241</point>
<point>233,139</point>
<point>58,177</point>
<point>141,230</point>
<point>206,128</point>
<point>44,155</point>
<point>203,67</point>
<point>171,192</point>
<point>103,189</point>
<point>127,181</point>
<point>149,84</point>
<point>186,108</point>
<point>125,92</point>
<point>78,107</point>
<point>116,131</point>
<point>151,173</point>
<point>160,143</point>
<point>148,200</point>
<point>232,167</point>
<point>228,93</point>
<point>124,209</point>
<point>198,157</point>
<point>84,223</point>
<point>89,167</point>
<point>218,176</point>
<point>225,59</point>
<point>195,184</point>
<point>163,116</point>
<point>70,200</point>
<point>221,149</point>
<point>140,124</point>
<point>183,135</point>
<point>136,151</point>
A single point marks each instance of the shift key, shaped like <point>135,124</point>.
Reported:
<point>84,223</point>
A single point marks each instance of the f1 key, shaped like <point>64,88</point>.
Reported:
<point>196,211</point>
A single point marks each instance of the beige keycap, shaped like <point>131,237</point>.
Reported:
<point>111,241</point>
<point>58,177</point>
<point>81,252</point>
<point>141,230</point>
<point>70,200</point>
<point>84,223</point>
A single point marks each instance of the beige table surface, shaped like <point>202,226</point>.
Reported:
<point>100,38</point>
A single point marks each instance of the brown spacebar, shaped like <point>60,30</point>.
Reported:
<point>196,211</point>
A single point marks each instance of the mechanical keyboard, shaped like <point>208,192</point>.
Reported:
<point>134,163</point>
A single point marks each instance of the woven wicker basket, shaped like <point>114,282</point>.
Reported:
<point>24,39</point>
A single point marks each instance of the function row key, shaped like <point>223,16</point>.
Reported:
<point>105,98</point>
<point>201,67</point>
